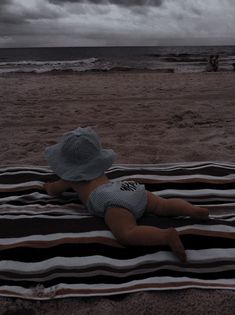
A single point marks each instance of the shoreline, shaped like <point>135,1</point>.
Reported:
<point>114,71</point>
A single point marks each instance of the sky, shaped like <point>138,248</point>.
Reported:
<point>49,23</point>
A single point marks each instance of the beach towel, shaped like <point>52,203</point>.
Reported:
<point>51,247</point>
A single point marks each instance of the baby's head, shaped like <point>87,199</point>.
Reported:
<point>79,156</point>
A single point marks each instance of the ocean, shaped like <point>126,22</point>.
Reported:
<point>81,59</point>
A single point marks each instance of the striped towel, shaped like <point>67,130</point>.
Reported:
<point>51,247</point>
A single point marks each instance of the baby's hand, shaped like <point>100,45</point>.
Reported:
<point>56,188</point>
<point>50,189</point>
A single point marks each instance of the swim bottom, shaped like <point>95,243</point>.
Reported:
<point>129,195</point>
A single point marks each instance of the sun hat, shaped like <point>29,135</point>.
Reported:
<point>79,156</point>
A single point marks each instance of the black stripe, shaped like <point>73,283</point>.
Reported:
<point>44,226</point>
<point>114,271</point>
<point>216,170</point>
<point>183,171</point>
<point>166,222</point>
<point>76,250</point>
<point>33,254</point>
<point>34,226</point>
<point>29,190</point>
<point>199,185</point>
<point>149,186</point>
<point>26,177</point>
<point>116,280</point>
<point>31,201</point>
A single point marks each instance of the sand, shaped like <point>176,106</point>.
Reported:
<point>145,117</point>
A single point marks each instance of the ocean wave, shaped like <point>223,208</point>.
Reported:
<point>96,70</point>
<point>165,64</point>
<point>31,66</point>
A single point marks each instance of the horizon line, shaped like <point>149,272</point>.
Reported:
<point>121,46</point>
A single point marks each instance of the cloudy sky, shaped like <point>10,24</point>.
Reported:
<point>33,23</point>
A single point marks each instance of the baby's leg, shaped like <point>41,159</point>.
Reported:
<point>175,207</point>
<point>123,225</point>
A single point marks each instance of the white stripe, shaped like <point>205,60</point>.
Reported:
<point>177,165</point>
<point>77,273</point>
<point>230,206</point>
<point>36,209</point>
<point>42,293</point>
<point>149,281</point>
<point>198,192</point>
<point>67,207</point>
<point>194,256</point>
<point>230,220</point>
<point>167,192</point>
<point>211,228</point>
<point>56,236</point>
<point>37,206</point>
<point>225,217</point>
<point>27,185</point>
<point>182,178</point>
<point>225,200</point>
<point>80,209</point>
<point>26,169</point>
<point>34,195</point>
<point>64,214</point>
<point>160,166</point>
<point>40,216</point>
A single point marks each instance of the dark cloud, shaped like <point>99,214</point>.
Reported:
<point>41,10</point>
<point>7,16</point>
<point>124,3</point>
<point>96,22</point>
<point>3,5</point>
<point>196,11</point>
<point>3,2</point>
<point>19,21</point>
<point>23,15</point>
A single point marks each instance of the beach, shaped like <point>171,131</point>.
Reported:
<point>145,117</point>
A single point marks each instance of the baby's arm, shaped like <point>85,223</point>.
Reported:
<point>57,187</point>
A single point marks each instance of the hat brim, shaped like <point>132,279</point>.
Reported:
<point>72,171</point>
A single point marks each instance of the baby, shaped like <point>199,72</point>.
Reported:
<point>80,162</point>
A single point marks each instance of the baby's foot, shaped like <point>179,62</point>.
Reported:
<point>175,244</point>
<point>200,213</point>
